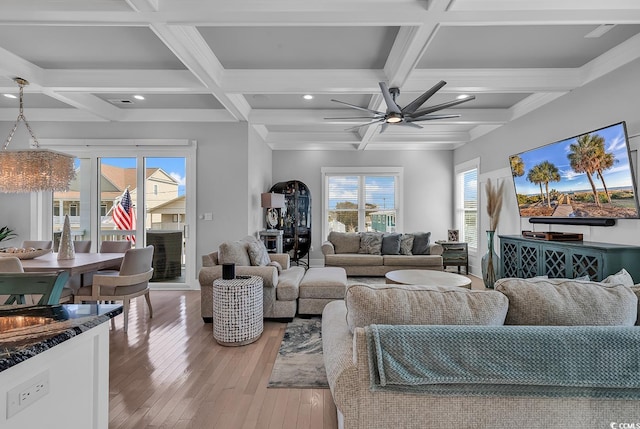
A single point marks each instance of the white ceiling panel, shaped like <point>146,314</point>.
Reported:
<point>204,61</point>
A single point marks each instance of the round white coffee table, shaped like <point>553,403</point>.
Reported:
<point>427,278</point>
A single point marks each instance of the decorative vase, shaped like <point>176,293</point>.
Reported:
<point>66,249</point>
<point>490,263</point>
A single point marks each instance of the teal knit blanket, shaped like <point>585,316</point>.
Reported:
<point>578,361</point>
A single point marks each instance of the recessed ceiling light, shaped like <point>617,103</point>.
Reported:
<point>138,97</point>
<point>308,97</point>
<point>10,96</point>
<point>461,96</point>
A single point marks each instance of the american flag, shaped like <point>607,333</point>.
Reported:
<point>124,216</point>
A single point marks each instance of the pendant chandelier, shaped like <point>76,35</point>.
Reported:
<point>32,170</point>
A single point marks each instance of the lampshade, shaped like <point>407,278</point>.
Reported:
<point>31,170</point>
<point>272,200</point>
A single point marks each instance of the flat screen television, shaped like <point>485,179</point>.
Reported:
<point>586,176</point>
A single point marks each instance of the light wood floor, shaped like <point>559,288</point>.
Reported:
<point>169,372</point>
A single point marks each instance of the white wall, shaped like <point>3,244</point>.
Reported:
<point>259,173</point>
<point>428,185</point>
<point>605,101</point>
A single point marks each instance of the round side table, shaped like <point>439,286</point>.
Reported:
<point>237,310</point>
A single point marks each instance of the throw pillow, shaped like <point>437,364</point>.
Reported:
<point>391,244</point>
<point>566,302</point>
<point>345,242</point>
<point>234,252</point>
<point>370,243</point>
<point>422,305</point>
<point>621,277</point>
<point>421,243</point>
<point>277,265</point>
<point>258,254</point>
<point>406,244</point>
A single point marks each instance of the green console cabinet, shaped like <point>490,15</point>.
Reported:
<point>527,257</point>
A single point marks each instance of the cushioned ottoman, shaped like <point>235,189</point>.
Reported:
<point>320,286</point>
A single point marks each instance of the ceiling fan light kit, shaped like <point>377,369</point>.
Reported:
<point>408,115</point>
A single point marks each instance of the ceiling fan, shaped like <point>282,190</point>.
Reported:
<point>408,115</point>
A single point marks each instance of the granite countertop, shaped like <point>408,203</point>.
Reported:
<point>26,331</point>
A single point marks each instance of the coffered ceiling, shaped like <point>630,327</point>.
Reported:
<point>247,60</point>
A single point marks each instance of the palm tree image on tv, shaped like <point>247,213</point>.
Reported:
<point>589,175</point>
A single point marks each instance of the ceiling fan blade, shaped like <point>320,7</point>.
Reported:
<point>437,107</point>
<point>391,105</point>
<point>363,125</point>
<point>409,124</point>
<point>430,118</point>
<point>383,127</point>
<point>359,108</point>
<point>359,117</point>
<point>415,104</point>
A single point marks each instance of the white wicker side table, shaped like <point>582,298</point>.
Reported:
<point>237,310</point>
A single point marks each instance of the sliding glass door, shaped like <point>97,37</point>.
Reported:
<point>139,195</point>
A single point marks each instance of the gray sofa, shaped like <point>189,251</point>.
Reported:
<point>346,250</point>
<point>280,284</point>
<point>476,388</point>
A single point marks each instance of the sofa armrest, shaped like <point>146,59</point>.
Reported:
<point>435,249</point>
<point>328,248</point>
<point>210,259</point>
<point>337,352</point>
<point>282,258</point>
<point>269,274</point>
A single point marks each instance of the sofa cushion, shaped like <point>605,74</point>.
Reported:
<point>406,244</point>
<point>258,254</point>
<point>412,261</point>
<point>422,305</point>
<point>345,242</point>
<point>391,243</point>
<point>233,252</point>
<point>621,277</point>
<point>289,283</point>
<point>566,302</point>
<point>353,259</point>
<point>421,243</point>
<point>636,290</point>
<point>370,243</point>
<point>275,264</point>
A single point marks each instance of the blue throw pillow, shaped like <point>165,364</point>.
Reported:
<point>391,244</point>
<point>421,243</point>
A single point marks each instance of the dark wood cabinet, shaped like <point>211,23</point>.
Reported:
<point>526,257</point>
<point>295,219</point>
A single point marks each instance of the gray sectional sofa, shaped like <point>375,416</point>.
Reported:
<point>384,349</point>
<point>375,254</point>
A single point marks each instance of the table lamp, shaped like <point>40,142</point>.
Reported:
<point>272,201</point>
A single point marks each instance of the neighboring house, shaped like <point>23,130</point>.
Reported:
<point>161,188</point>
<point>169,215</point>
<point>383,221</point>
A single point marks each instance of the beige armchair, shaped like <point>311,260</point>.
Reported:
<point>130,282</point>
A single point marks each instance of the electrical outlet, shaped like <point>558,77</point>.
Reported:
<point>27,393</point>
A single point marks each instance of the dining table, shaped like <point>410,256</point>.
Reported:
<point>81,264</point>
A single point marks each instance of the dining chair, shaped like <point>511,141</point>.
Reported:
<point>82,246</point>
<point>38,244</point>
<point>130,282</point>
<point>10,264</point>
<point>17,285</point>
<point>75,281</point>
<point>116,246</point>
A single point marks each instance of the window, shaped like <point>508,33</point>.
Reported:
<point>103,210</point>
<point>73,210</point>
<point>155,189</point>
<point>359,200</point>
<point>467,203</point>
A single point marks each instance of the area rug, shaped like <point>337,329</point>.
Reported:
<point>299,362</point>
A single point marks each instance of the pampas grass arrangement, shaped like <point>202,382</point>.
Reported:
<point>494,203</point>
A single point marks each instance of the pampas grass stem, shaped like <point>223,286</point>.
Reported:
<point>494,203</point>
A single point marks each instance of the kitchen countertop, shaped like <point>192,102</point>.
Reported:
<point>26,331</point>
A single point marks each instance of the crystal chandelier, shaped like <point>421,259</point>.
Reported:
<point>31,170</point>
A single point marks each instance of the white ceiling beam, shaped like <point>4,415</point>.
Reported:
<point>15,66</point>
<point>478,5</point>
<point>189,46</point>
<point>87,102</point>
<point>157,81</point>
<point>624,53</point>
<point>541,17</point>
<point>315,145</point>
<point>52,115</point>
<point>177,115</point>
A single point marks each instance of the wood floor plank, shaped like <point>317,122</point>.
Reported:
<point>169,372</point>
